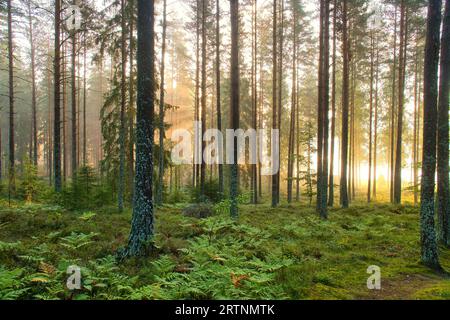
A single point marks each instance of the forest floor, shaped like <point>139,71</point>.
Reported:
<point>283,253</point>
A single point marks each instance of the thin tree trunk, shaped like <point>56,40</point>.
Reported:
<point>12,180</point>
<point>274,94</point>
<point>84,103</point>
<point>345,89</point>
<point>203,99</point>
<point>74,106</point>
<point>254,96</point>
<point>33,88</point>
<point>123,97</point>
<point>293,112</point>
<point>196,171</point>
<point>416,106</point>
<point>369,187</point>
<point>375,141</point>
<point>393,113</point>
<point>218,97</point>
<point>131,107</point>
<point>64,108</point>
<point>159,194</point>
<point>326,107</point>
<point>235,93</point>
<point>333,111</point>
<point>401,85</point>
<point>280,92</point>
<point>142,224</point>
<point>443,205</point>
<point>428,241</point>
<point>57,101</point>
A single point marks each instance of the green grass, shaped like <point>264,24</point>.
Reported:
<point>282,253</point>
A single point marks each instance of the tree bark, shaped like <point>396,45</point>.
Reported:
<point>393,113</point>
<point>123,97</point>
<point>443,205</point>
<point>428,241</point>
<point>218,97</point>
<point>203,98</point>
<point>333,111</point>
<point>345,90</point>
<point>57,101</point>
<point>159,195</point>
<point>372,49</point>
<point>142,224</point>
<point>274,93</point>
<point>74,161</point>
<point>401,96</point>
<point>12,180</point>
<point>235,93</point>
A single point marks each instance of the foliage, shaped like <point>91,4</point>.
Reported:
<point>210,192</point>
<point>29,184</point>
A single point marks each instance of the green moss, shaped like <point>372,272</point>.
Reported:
<point>282,253</point>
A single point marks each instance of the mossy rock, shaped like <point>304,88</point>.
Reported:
<point>199,210</point>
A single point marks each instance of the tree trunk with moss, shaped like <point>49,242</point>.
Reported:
<point>427,225</point>
<point>142,224</point>
<point>443,206</point>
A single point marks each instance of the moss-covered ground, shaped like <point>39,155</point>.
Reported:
<point>283,253</point>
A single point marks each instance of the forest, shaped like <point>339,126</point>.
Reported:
<point>224,149</point>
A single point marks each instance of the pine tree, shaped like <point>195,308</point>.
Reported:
<point>235,100</point>
<point>443,205</point>
<point>57,100</point>
<point>159,193</point>
<point>427,227</point>
<point>142,223</point>
<point>345,106</point>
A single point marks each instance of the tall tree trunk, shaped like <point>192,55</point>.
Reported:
<point>345,104</point>
<point>372,49</point>
<point>320,108</point>
<point>297,139</point>
<point>325,110</point>
<point>49,123</point>
<point>415,139</point>
<point>218,97</point>
<point>131,107</point>
<point>74,141</point>
<point>159,194</point>
<point>401,96</point>
<point>280,91</point>
<point>64,107</point>
<point>333,111</point>
<point>84,102</point>
<point>393,113</point>
<point>33,87</point>
<point>274,93</point>
<point>235,93</point>
<point>123,97</point>
<point>12,180</point>
<point>57,101</point>
<point>375,141</point>
<point>293,112</point>
<point>443,206</point>
<point>254,96</point>
<point>142,224</point>
<point>195,171</point>
<point>427,225</point>
<point>203,98</point>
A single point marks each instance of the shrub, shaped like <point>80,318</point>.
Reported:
<point>211,193</point>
